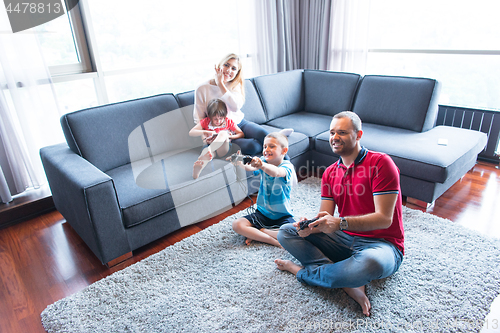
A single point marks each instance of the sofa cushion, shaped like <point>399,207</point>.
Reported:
<point>100,134</point>
<point>418,154</point>
<point>138,204</point>
<point>400,102</point>
<point>166,183</point>
<point>281,94</point>
<point>329,93</point>
<point>311,124</point>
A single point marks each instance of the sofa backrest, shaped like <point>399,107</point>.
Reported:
<point>281,94</point>
<point>166,133</point>
<point>252,108</point>
<point>329,93</point>
<point>101,134</point>
<point>401,102</point>
<point>186,100</point>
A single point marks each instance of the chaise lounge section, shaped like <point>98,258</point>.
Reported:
<point>123,179</point>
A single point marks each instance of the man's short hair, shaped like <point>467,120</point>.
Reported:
<point>282,139</point>
<point>356,121</point>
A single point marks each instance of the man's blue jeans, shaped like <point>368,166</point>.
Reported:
<point>340,260</point>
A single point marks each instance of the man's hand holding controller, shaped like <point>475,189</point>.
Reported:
<point>305,223</point>
<point>324,222</point>
<point>303,228</point>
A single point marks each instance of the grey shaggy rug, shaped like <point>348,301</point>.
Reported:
<point>213,282</point>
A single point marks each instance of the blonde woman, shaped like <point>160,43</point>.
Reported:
<point>228,85</point>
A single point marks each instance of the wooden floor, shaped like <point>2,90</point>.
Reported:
<point>43,260</point>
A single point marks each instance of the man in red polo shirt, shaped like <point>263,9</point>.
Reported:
<point>366,241</point>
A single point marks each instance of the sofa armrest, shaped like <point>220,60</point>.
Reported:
<point>87,199</point>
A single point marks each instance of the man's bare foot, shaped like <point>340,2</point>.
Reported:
<point>359,295</point>
<point>287,265</point>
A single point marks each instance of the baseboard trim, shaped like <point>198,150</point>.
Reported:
<point>419,203</point>
<point>25,207</point>
<point>120,259</point>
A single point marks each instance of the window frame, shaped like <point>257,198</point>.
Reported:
<point>85,65</point>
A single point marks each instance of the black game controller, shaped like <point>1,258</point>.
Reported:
<point>305,223</point>
<point>244,158</point>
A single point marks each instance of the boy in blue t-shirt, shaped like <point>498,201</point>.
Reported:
<point>273,200</point>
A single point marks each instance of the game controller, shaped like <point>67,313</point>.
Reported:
<point>305,223</point>
<point>243,158</point>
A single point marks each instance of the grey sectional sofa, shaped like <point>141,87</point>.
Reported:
<point>123,179</point>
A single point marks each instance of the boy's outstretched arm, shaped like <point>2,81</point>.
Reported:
<point>247,167</point>
<point>270,169</point>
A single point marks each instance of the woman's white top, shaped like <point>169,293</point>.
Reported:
<point>206,92</point>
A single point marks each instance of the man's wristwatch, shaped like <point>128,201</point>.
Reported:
<point>343,223</point>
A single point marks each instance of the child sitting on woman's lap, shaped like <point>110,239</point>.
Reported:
<point>217,131</point>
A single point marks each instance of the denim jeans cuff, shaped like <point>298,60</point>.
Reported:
<point>299,275</point>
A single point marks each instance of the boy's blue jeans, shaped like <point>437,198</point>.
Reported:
<point>340,260</point>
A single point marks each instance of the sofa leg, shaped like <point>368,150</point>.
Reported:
<point>419,203</point>
<point>119,259</point>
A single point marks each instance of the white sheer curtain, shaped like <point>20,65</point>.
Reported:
<point>349,35</point>
<point>291,34</point>
<point>29,111</point>
<point>269,44</point>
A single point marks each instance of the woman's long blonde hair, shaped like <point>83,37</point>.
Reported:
<point>238,79</point>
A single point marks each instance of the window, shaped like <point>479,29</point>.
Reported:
<point>163,46</point>
<point>160,32</point>
<point>76,95</point>
<point>57,42</point>
<point>141,49</point>
<point>455,42</point>
<point>64,44</point>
